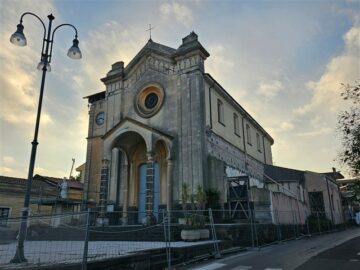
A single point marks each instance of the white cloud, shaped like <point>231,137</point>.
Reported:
<point>270,89</point>
<point>8,159</point>
<point>316,133</point>
<point>286,126</point>
<point>344,68</point>
<point>113,42</point>
<point>19,79</point>
<point>5,170</point>
<point>180,12</point>
<point>219,64</point>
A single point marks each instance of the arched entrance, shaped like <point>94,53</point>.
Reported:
<point>138,178</point>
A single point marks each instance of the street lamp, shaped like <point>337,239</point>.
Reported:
<point>18,38</point>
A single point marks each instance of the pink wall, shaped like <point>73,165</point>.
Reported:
<point>288,210</point>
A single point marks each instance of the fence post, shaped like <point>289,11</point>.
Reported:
<point>213,232</point>
<point>85,252</point>
<point>166,223</point>
<point>328,222</point>
<point>307,223</point>
<point>294,223</point>
<point>254,224</point>
<point>251,227</point>
<point>278,225</point>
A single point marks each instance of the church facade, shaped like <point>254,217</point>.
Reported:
<point>163,121</point>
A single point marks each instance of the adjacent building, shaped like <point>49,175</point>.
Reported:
<point>46,197</point>
<point>305,193</point>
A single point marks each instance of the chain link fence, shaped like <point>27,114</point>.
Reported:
<point>49,239</point>
<point>153,240</point>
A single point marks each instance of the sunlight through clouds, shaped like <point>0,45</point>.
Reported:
<point>283,63</point>
<point>344,68</point>
<point>270,89</point>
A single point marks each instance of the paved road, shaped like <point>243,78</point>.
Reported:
<point>345,257</point>
<point>335,251</point>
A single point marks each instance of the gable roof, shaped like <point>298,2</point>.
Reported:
<point>282,174</point>
<point>334,175</point>
<point>56,181</point>
<point>14,185</point>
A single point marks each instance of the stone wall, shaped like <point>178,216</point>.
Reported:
<point>232,156</point>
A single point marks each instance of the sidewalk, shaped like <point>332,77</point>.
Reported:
<point>284,256</point>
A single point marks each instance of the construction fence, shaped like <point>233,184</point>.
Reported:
<point>155,240</point>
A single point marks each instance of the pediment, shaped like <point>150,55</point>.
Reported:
<point>129,124</point>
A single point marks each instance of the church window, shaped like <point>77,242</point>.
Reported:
<point>248,134</point>
<point>236,124</point>
<point>220,107</point>
<point>149,100</point>
<point>258,143</point>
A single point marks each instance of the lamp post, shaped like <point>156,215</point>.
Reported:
<point>18,38</point>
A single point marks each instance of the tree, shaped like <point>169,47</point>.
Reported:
<point>349,127</point>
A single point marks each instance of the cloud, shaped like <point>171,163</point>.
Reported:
<point>344,68</point>
<point>270,89</point>
<point>286,126</point>
<point>19,77</point>
<point>5,170</point>
<point>113,45</point>
<point>315,133</point>
<point>180,12</point>
<point>8,159</point>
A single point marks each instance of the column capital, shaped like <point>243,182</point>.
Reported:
<point>150,156</point>
<point>105,162</point>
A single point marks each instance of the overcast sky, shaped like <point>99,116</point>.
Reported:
<point>283,61</point>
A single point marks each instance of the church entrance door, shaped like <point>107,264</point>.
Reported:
<point>142,191</point>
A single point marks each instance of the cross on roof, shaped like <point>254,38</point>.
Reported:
<point>150,28</point>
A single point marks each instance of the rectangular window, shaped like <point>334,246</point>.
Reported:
<point>248,134</point>
<point>4,215</point>
<point>236,124</point>
<point>258,143</point>
<point>220,107</point>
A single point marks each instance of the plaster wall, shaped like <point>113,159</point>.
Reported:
<point>287,209</point>
<point>315,182</point>
<point>226,128</point>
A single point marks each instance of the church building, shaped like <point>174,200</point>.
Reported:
<point>163,121</point>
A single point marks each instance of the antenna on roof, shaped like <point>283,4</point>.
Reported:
<point>150,28</point>
<point>72,167</point>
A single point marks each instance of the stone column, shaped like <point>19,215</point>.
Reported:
<point>114,175</point>
<point>150,175</point>
<point>169,186</point>
<point>104,191</point>
<point>125,192</point>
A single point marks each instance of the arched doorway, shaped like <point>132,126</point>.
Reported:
<point>131,178</point>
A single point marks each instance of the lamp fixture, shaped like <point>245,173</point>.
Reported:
<point>18,38</point>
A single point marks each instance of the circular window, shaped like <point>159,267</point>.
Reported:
<point>149,100</point>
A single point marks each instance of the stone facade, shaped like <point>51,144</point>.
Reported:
<point>156,112</point>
